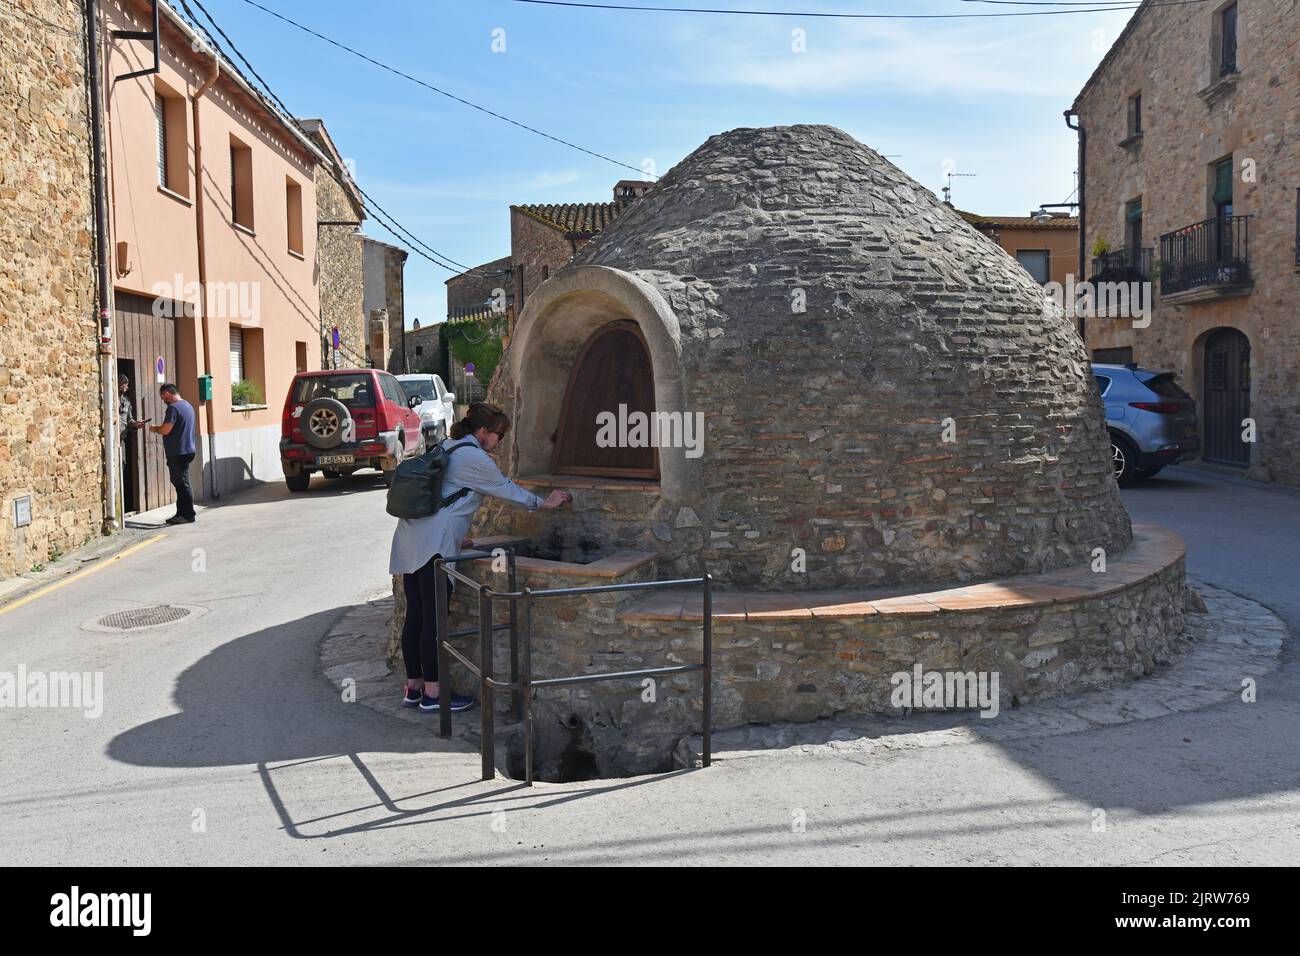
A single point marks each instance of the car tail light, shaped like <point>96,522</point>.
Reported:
<point>1160,408</point>
<point>374,448</point>
<point>290,420</point>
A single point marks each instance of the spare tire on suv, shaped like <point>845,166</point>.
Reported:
<point>324,422</point>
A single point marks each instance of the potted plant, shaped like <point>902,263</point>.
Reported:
<point>1100,248</point>
<point>245,392</point>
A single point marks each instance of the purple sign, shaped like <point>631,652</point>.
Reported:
<point>469,368</point>
<point>160,370</point>
<point>336,336</point>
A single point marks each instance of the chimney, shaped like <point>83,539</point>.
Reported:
<point>625,190</point>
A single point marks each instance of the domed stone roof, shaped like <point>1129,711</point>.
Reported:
<point>886,400</point>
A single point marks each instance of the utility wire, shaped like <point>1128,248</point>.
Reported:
<point>1115,5</point>
<point>381,215</point>
<point>441,92</point>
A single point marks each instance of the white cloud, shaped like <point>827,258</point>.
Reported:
<point>961,58</point>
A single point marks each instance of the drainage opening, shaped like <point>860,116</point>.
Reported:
<point>138,617</point>
<point>566,750</point>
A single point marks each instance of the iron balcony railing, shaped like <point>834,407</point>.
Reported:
<point>522,684</point>
<point>1211,253</point>
<point>1123,265</point>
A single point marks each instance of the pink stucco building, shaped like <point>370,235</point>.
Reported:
<point>212,210</point>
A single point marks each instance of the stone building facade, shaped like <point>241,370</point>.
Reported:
<point>50,406</point>
<point>545,237</point>
<point>340,212</point>
<point>424,349</point>
<point>1191,181</point>
<point>384,298</point>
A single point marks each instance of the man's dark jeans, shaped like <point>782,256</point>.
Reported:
<point>178,468</point>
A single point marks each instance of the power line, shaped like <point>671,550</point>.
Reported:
<point>441,92</point>
<point>1114,5</point>
<point>381,215</point>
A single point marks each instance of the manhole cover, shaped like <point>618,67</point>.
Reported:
<point>143,617</point>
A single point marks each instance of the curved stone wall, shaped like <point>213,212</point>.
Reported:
<point>791,657</point>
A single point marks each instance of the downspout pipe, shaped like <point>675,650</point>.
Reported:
<point>103,282</point>
<point>210,486</point>
<point>1083,204</point>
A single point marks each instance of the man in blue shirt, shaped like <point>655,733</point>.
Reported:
<point>177,431</point>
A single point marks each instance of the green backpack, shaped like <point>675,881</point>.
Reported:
<point>416,491</point>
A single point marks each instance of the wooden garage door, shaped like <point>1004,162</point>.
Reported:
<point>142,338</point>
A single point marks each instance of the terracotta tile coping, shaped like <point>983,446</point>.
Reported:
<point>1154,549</point>
<point>587,483</point>
<point>613,566</point>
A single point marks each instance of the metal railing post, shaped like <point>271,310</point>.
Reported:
<point>444,659</point>
<point>708,669</point>
<point>527,691</point>
<point>516,698</point>
<point>488,742</point>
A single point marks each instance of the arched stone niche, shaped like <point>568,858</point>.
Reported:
<point>557,320</point>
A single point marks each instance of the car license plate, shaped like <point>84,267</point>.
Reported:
<point>335,459</point>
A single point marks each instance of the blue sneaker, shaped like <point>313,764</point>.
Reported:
<point>458,703</point>
<point>411,696</point>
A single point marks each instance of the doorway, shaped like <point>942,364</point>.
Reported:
<point>1225,398</point>
<point>611,376</point>
<point>146,344</point>
<point>130,440</point>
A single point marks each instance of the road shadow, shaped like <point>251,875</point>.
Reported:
<point>258,700</point>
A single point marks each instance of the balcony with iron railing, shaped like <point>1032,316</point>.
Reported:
<point>1206,260</point>
<point>1122,265</point>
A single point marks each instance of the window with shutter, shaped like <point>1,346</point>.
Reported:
<point>1037,262</point>
<point>236,354</point>
<point>160,125</point>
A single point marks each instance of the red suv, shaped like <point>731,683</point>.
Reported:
<point>339,420</point>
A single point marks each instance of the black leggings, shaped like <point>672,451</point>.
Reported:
<point>420,630</point>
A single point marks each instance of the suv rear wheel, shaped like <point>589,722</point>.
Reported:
<point>299,482</point>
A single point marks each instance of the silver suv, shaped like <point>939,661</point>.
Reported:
<point>1152,421</point>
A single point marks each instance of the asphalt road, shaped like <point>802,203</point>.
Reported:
<point>220,743</point>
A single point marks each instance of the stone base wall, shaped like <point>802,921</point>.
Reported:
<point>772,667</point>
<point>50,441</point>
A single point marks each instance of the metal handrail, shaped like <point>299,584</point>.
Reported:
<point>521,683</point>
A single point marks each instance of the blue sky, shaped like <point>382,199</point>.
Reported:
<point>984,96</point>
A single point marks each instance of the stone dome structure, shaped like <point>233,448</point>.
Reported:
<point>885,399</point>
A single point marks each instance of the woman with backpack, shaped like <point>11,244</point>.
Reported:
<point>417,542</point>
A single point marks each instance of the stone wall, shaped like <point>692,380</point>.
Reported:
<point>50,440</point>
<point>779,665</point>
<point>339,252</point>
<point>535,248</point>
<point>423,349</point>
<point>1167,57</point>
<point>470,290</point>
<point>395,291</point>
